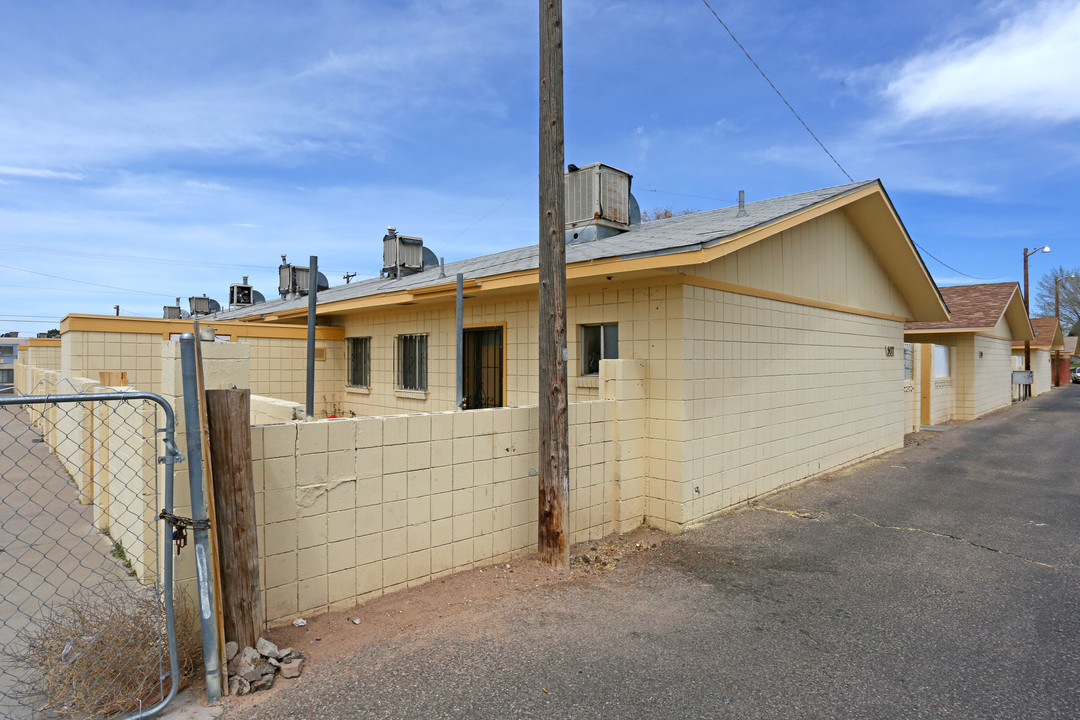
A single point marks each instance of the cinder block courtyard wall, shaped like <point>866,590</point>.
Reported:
<point>278,354</point>
<point>983,375</point>
<point>1040,363</point>
<point>36,357</point>
<point>349,509</point>
<point>912,390</point>
<point>109,450</point>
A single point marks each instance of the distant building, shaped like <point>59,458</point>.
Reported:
<point>9,350</point>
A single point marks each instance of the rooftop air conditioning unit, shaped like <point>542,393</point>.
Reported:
<point>598,194</point>
<point>294,281</point>
<point>203,305</point>
<point>241,294</point>
<point>402,254</point>
<point>172,312</point>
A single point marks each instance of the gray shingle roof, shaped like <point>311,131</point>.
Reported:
<point>677,234</point>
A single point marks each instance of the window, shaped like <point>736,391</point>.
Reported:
<point>598,342</point>
<point>411,362</point>
<point>358,362</point>
<point>7,352</point>
<point>907,361</point>
<point>941,361</point>
<point>7,376</point>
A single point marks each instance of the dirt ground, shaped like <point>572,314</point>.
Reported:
<point>336,634</point>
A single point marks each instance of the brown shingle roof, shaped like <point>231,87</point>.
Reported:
<point>1045,329</point>
<point>971,306</point>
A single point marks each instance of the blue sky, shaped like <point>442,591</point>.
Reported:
<point>169,148</point>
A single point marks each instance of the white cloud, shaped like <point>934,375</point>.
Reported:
<point>37,173</point>
<point>1029,69</point>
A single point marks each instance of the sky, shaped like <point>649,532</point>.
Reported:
<point>150,150</point>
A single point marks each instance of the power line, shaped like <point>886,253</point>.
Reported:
<point>500,206</point>
<point>87,282</point>
<point>777,90</point>
<point>961,272</point>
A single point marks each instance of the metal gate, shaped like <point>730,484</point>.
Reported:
<point>87,625</point>
<point>482,370</point>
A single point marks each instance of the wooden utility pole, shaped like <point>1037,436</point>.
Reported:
<point>228,413</point>
<point>554,457</point>
<point>1027,311</point>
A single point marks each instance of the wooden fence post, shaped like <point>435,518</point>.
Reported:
<point>229,416</point>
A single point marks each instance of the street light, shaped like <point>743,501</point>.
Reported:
<point>1057,315</point>
<point>1027,308</point>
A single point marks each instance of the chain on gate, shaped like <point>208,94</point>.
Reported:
<point>87,627</point>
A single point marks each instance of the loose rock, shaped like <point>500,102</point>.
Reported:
<point>293,668</point>
<point>267,648</point>
<point>239,686</point>
<point>245,661</point>
<point>265,683</point>
<point>231,648</point>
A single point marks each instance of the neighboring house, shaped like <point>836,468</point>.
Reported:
<point>963,367</point>
<point>770,334</point>
<point>1048,338</point>
<point>1063,361</point>
<point>1072,350</point>
<point>9,352</point>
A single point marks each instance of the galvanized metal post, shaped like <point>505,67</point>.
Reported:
<point>313,288</point>
<point>460,341</point>
<point>199,515</point>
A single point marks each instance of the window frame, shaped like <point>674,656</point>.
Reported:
<point>421,365</point>
<point>606,352</point>
<point>365,362</point>
<point>942,351</point>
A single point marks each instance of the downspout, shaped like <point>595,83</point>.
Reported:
<point>313,287</point>
<point>459,398</point>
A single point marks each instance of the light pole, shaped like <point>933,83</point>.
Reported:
<point>1057,315</point>
<point>1027,309</point>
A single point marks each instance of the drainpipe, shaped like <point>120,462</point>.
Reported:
<point>460,342</point>
<point>313,287</point>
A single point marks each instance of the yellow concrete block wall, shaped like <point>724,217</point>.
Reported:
<point>983,375</point>
<point>350,509</point>
<point>913,388</point>
<point>777,392</point>
<point>1040,363</point>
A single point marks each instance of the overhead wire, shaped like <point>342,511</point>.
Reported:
<point>87,282</point>
<point>961,272</point>
<point>777,91</point>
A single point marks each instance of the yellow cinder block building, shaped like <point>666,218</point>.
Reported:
<point>962,368</point>
<point>771,334</point>
<point>1047,340</point>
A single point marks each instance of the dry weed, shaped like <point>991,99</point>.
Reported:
<point>103,652</point>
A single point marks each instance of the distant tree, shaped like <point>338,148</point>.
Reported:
<point>1043,298</point>
<point>54,333</point>
<point>664,213</point>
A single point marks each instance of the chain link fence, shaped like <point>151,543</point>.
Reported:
<point>87,625</point>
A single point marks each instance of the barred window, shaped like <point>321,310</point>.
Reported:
<point>598,342</point>
<point>358,361</point>
<point>411,362</point>
<point>907,361</point>
<point>7,376</point>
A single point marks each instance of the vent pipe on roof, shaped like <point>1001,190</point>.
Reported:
<point>742,204</point>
